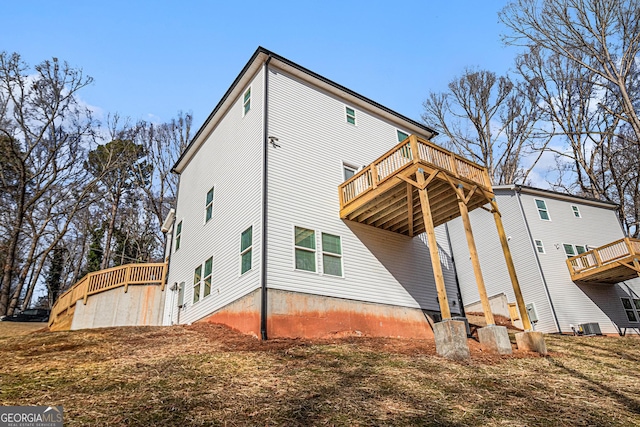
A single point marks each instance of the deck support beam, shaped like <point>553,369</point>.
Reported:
<point>433,247</point>
<point>512,270</point>
<point>473,252</point>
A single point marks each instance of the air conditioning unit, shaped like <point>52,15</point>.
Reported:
<point>590,328</point>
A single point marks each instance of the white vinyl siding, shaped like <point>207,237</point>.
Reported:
<point>230,158</point>
<point>315,144</point>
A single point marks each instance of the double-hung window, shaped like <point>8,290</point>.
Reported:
<point>331,254</point>
<point>573,250</point>
<point>246,102</point>
<point>197,281</point>
<point>351,115</point>
<point>542,209</point>
<point>348,171</point>
<point>246,246</point>
<point>539,246</point>
<point>202,285</point>
<point>632,308</point>
<point>208,269</point>
<point>305,249</point>
<point>402,135</point>
<point>576,211</point>
<point>178,235</point>
<point>208,206</point>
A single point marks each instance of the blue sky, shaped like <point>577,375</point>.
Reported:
<point>152,59</point>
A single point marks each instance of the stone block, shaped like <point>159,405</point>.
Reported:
<point>531,341</point>
<point>495,339</point>
<point>451,339</point>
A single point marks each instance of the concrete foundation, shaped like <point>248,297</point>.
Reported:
<point>451,339</point>
<point>531,341</point>
<point>141,305</point>
<point>495,339</point>
<point>299,315</point>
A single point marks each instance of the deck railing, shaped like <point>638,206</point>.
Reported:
<point>103,280</point>
<point>604,255</point>
<point>410,151</point>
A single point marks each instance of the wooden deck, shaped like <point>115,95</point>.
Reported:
<point>612,263</point>
<point>101,281</point>
<point>385,193</point>
<point>416,186</point>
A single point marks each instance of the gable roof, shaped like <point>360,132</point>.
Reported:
<point>259,57</point>
<point>556,195</point>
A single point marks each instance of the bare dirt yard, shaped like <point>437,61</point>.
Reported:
<point>209,375</point>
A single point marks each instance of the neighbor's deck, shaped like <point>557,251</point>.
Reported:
<point>385,193</point>
<point>611,263</point>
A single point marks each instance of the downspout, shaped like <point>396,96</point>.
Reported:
<point>263,257</point>
<point>535,252</point>
<point>455,271</point>
<point>168,257</point>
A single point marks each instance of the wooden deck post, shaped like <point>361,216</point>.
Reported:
<point>127,278</point>
<point>433,247</point>
<point>512,270</point>
<point>410,208</point>
<point>482,290</point>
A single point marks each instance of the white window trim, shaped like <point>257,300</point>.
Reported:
<point>323,253</point>
<point>535,241</point>
<point>350,166</point>
<point>575,249</point>
<point>243,102</point>
<point>538,209</point>
<point>250,248</point>
<point>202,295</point>
<point>315,251</point>
<point>206,205</point>
<point>178,235</point>
<point>576,210</point>
<point>355,115</point>
<point>198,285</point>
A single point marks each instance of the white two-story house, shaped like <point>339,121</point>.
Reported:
<point>258,242</point>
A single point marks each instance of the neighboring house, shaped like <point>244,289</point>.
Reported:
<point>544,228</point>
<point>258,242</point>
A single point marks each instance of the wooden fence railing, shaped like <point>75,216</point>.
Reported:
<point>411,150</point>
<point>604,255</point>
<point>103,280</point>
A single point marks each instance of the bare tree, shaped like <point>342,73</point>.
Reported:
<point>49,128</point>
<point>601,36</point>
<point>491,120</point>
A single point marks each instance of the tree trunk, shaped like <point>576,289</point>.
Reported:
<point>112,224</point>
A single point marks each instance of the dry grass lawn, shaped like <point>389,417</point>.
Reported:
<point>209,375</point>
